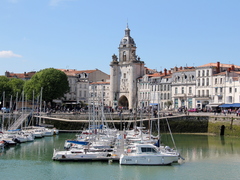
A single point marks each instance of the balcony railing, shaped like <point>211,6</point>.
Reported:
<point>202,96</point>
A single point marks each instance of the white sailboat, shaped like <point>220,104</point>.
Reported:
<point>81,153</point>
<point>149,154</point>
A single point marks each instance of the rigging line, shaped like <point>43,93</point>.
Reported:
<point>171,134</point>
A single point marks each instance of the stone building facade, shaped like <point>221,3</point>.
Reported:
<point>99,93</point>
<point>79,81</point>
<point>124,74</point>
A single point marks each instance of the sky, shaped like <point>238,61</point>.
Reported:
<point>84,34</point>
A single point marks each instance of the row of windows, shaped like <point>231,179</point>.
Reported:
<point>146,95</point>
<point>202,72</point>
<point>83,86</point>
<point>97,87</point>
<point>184,78</point>
<point>204,93</point>
<point>98,94</point>
<point>220,90</point>
<point>204,82</point>
<point>183,90</point>
<point>84,94</point>
<point>182,103</point>
<point>164,87</point>
<point>220,80</point>
<point>217,90</point>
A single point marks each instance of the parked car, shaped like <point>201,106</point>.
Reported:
<point>5,110</point>
<point>193,110</point>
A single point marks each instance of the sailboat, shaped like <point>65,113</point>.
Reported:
<point>148,153</point>
<point>93,144</point>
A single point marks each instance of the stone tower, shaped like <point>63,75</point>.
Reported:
<point>124,73</point>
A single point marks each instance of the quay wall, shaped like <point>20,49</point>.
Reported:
<point>194,123</point>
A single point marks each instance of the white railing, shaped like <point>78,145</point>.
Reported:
<point>19,121</point>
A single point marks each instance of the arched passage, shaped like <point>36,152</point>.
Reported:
<point>123,102</point>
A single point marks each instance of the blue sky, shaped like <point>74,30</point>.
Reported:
<point>84,34</point>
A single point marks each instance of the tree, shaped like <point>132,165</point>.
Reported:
<point>4,87</point>
<point>168,104</point>
<point>16,86</point>
<point>53,82</point>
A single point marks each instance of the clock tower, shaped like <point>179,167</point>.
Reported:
<point>124,73</point>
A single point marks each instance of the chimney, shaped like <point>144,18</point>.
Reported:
<point>7,74</point>
<point>160,72</point>
<point>233,68</point>
<point>169,71</point>
<point>218,67</point>
<point>165,72</point>
<point>229,69</point>
<point>180,68</point>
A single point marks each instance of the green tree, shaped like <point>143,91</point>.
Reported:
<point>16,86</point>
<point>168,104</point>
<point>4,87</point>
<point>53,82</point>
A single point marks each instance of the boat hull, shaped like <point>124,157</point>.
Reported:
<point>147,160</point>
<point>81,156</point>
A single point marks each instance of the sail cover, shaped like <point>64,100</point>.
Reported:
<point>79,142</point>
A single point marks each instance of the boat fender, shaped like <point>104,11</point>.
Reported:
<point>63,156</point>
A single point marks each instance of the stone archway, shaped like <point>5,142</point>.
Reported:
<point>204,104</point>
<point>123,102</point>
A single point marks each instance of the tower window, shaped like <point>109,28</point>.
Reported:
<point>124,56</point>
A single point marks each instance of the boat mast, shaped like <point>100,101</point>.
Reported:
<point>40,108</point>
<point>159,137</point>
<point>3,113</point>
<point>10,109</point>
<point>15,116</point>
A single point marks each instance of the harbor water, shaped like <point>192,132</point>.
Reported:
<point>206,157</point>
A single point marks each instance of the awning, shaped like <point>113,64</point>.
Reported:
<point>153,104</point>
<point>230,105</point>
<point>213,105</point>
<point>70,102</point>
<point>225,105</point>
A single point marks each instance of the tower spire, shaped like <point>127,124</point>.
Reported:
<point>127,31</point>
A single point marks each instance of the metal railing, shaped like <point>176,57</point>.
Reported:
<point>19,121</point>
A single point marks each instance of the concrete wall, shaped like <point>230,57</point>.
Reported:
<point>184,124</point>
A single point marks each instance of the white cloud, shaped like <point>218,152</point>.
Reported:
<point>8,54</point>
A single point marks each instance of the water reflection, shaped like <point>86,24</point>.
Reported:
<point>198,147</point>
<point>201,153</point>
<point>191,147</point>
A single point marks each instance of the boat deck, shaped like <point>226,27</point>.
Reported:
<point>104,159</point>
